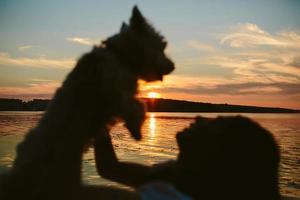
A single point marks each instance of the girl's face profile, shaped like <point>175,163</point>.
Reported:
<point>199,142</point>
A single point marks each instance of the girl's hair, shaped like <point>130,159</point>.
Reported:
<point>241,160</point>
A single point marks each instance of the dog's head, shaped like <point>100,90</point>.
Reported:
<point>141,48</point>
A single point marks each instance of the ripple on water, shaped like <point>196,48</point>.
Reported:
<point>159,142</point>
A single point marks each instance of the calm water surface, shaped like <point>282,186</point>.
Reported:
<point>159,142</point>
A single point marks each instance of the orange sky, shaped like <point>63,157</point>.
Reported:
<point>238,52</point>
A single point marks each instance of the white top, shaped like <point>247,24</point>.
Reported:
<point>161,191</point>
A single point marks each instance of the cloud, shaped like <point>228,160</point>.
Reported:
<point>200,46</point>
<point>40,80</point>
<point>83,41</point>
<point>24,48</point>
<point>40,62</point>
<point>232,88</point>
<point>223,90</point>
<point>245,86</point>
<point>276,64</point>
<point>295,62</point>
<point>263,68</point>
<point>265,89</point>
<point>250,35</point>
<point>30,91</point>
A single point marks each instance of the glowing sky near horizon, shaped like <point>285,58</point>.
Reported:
<point>235,52</point>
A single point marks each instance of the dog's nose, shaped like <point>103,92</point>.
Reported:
<point>169,67</point>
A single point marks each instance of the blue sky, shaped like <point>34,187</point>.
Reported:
<point>239,52</point>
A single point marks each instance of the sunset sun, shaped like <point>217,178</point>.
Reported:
<point>153,95</point>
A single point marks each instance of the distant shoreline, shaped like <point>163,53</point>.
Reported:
<point>170,105</point>
<point>154,105</point>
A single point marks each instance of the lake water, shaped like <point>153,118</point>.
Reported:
<point>159,142</point>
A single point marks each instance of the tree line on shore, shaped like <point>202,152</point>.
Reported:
<point>152,105</point>
<point>170,105</point>
<point>19,105</point>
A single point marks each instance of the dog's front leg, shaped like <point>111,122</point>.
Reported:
<point>134,116</point>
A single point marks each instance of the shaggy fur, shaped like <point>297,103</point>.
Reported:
<point>101,88</point>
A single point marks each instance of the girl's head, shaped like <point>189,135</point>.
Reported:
<point>227,157</point>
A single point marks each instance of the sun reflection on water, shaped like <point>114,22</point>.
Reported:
<point>152,125</point>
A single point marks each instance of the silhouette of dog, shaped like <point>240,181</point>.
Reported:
<point>101,88</point>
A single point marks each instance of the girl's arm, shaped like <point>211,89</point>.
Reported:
<point>132,174</point>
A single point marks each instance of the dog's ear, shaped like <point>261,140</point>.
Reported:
<point>137,21</point>
<point>124,27</point>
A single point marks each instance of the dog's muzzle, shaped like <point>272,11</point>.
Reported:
<point>168,67</point>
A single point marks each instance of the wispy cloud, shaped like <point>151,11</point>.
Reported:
<point>40,80</point>
<point>248,35</point>
<point>265,89</point>
<point>33,90</point>
<point>25,47</point>
<point>200,45</point>
<point>223,90</point>
<point>40,62</point>
<point>221,85</point>
<point>255,69</point>
<point>83,41</point>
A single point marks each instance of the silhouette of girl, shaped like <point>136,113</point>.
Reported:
<point>222,158</point>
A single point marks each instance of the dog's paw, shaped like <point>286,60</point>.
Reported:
<point>134,118</point>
